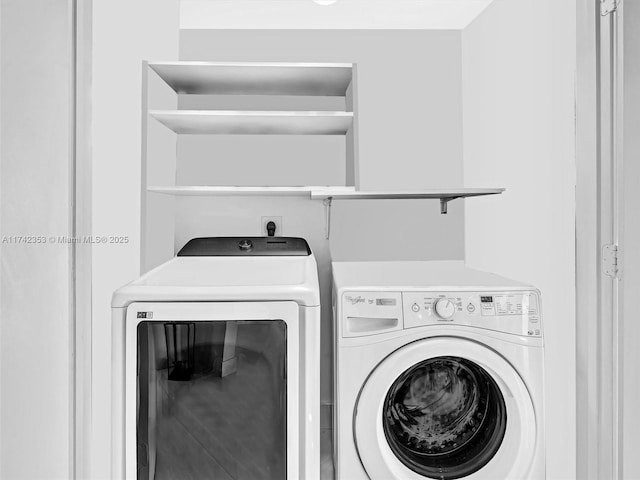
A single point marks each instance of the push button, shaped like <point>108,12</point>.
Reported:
<point>415,307</point>
<point>471,307</point>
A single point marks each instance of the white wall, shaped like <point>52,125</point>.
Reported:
<point>410,126</point>
<point>125,33</point>
<point>35,279</point>
<point>518,101</point>
<point>355,235</point>
<point>409,102</point>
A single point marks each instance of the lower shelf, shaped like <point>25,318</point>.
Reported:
<point>327,192</point>
<point>442,193</point>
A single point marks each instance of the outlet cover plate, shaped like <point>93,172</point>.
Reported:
<point>276,220</point>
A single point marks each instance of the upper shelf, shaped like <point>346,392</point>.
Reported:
<point>255,123</point>
<point>244,78</point>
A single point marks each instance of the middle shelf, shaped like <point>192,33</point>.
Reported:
<point>237,122</point>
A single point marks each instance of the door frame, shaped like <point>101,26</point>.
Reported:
<point>599,222</point>
<point>629,332</point>
<point>81,225</point>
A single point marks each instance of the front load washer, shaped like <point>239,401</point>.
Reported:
<point>438,373</point>
<point>216,364</point>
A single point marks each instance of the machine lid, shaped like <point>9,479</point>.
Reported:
<point>226,279</point>
<point>406,275</point>
<point>245,247</point>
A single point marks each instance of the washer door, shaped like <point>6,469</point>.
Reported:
<point>445,408</point>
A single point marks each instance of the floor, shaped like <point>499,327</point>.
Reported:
<point>200,434</point>
<point>169,457</point>
<point>196,432</point>
<point>326,454</point>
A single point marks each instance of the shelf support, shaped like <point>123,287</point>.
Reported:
<point>327,216</point>
<point>443,204</point>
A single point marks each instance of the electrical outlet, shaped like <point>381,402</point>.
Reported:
<point>276,220</point>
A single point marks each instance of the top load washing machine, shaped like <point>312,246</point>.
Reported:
<point>216,364</point>
<point>438,373</point>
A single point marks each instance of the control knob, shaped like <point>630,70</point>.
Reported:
<point>245,245</point>
<point>445,308</point>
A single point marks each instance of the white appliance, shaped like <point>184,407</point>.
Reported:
<point>438,373</point>
<point>216,364</point>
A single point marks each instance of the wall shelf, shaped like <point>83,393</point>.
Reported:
<point>220,191</point>
<point>450,193</point>
<point>167,84</point>
<point>221,122</point>
<point>329,193</point>
<point>242,78</point>
<point>292,79</point>
<point>444,195</point>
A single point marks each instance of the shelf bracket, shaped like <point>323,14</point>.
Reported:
<point>327,216</point>
<point>443,204</point>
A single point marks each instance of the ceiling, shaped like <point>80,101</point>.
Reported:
<point>343,14</point>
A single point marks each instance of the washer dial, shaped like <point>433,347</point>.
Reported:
<point>445,308</point>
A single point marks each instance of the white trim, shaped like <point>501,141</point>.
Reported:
<point>629,256</point>
<point>598,222</point>
<point>1,252</point>
<point>617,222</point>
<point>74,398</point>
<point>606,388</point>
<point>586,239</point>
<point>81,182</point>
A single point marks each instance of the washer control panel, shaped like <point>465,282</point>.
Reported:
<point>510,312</point>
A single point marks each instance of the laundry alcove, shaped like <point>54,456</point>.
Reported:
<point>429,116</point>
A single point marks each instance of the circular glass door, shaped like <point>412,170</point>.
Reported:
<point>445,408</point>
<point>444,417</point>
